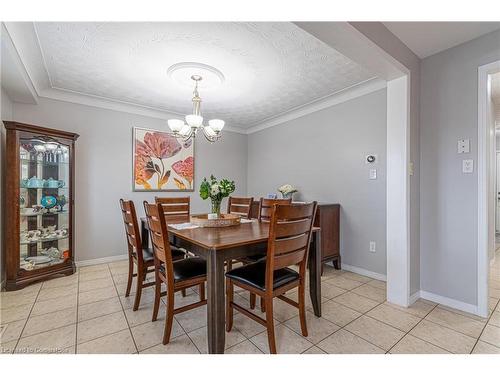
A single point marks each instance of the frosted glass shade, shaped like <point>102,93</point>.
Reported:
<point>175,125</point>
<point>216,124</point>
<point>194,121</point>
<point>185,130</point>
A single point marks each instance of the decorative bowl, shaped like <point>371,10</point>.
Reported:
<point>224,220</point>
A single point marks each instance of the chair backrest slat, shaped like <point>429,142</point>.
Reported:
<point>240,206</point>
<point>176,209</point>
<point>131,229</point>
<point>159,235</point>
<point>266,205</point>
<point>290,230</point>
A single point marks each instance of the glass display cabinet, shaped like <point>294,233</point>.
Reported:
<point>39,209</point>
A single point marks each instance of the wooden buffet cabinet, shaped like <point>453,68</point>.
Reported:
<point>328,219</point>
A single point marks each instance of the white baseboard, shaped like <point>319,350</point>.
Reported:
<point>91,262</point>
<point>362,271</point>
<point>450,302</point>
<point>414,297</point>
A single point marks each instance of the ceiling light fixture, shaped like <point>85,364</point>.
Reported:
<point>194,122</point>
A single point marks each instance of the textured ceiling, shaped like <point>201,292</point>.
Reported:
<point>269,68</point>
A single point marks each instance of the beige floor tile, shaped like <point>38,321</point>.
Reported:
<point>143,315</point>
<point>247,326</point>
<point>199,337</point>
<point>328,291</point>
<point>356,302</point>
<point>54,304</point>
<point>100,308</point>
<point>150,334</point>
<point>457,322</point>
<point>287,341</point>
<point>30,289</point>
<point>103,274</point>
<point>370,292</point>
<point>118,264</point>
<point>193,319</point>
<point>63,291</point>
<point>344,342</point>
<point>147,298</point>
<point>357,277</point>
<point>495,319</point>
<point>375,332</point>
<point>460,312</point>
<point>314,350</point>
<point>443,337</point>
<point>394,317</point>
<point>494,292</point>
<point>342,282</point>
<point>61,282</point>
<point>420,308</point>
<point>101,326</point>
<point>338,314</point>
<point>485,348</point>
<point>491,335</point>
<point>47,322</point>
<point>245,347</point>
<point>122,279</point>
<point>283,311</point>
<point>378,284</point>
<point>115,271</point>
<point>8,300</point>
<point>116,343</point>
<point>413,345</point>
<point>7,347</point>
<point>318,328</point>
<point>493,304</point>
<point>14,313</point>
<point>52,341</point>
<point>86,286</point>
<point>96,295</point>
<point>11,331</point>
<point>179,345</point>
<point>329,271</point>
<point>95,268</point>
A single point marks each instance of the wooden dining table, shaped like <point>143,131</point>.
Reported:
<point>218,245</point>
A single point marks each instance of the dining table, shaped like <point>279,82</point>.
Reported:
<point>221,244</point>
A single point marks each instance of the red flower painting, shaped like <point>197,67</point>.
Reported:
<point>156,153</point>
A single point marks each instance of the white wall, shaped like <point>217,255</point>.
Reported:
<point>104,168</point>
<point>448,112</point>
<point>323,155</point>
<point>6,115</point>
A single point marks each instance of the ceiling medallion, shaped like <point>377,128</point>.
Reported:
<point>183,71</point>
<point>194,122</point>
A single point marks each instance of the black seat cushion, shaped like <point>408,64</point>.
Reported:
<point>147,254</point>
<point>188,268</point>
<point>254,274</point>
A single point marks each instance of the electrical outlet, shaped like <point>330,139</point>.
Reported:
<point>373,247</point>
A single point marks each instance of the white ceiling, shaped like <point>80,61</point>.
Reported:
<point>428,38</point>
<point>269,68</point>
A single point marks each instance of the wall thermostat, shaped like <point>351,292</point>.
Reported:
<point>370,159</point>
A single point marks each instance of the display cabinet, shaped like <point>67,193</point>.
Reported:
<point>39,204</point>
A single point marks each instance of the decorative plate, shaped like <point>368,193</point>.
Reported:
<point>224,220</point>
<point>39,259</point>
<point>49,201</point>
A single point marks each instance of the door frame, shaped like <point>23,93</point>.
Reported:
<point>486,158</point>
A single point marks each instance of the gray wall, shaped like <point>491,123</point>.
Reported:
<point>322,154</point>
<point>104,168</point>
<point>6,115</point>
<point>448,112</point>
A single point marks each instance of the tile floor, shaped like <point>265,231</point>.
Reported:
<point>88,313</point>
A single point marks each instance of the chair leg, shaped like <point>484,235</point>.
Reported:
<point>156,306</point>
<point>229,308</point>
<point>302,309</point>
<point>140,279</point>
<point>202,291</point>
<point>270,325</point>
<point>262,304</point>
<point>183,292</point>
<point>252,301</point>
<point>130,277</point>
<point>169,319</point>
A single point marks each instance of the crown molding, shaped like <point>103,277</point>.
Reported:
<point>344,95</point>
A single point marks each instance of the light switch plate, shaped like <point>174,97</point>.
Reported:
<point>463,146</point>
<point>467,166</point>
<point>373,174</point>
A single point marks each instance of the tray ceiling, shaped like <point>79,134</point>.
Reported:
<point>269,68</point>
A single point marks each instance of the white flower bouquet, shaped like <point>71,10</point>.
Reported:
<point>287,191</point>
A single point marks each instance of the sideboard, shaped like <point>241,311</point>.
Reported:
<point>328,219</point>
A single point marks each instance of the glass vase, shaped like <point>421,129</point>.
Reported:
<point>216,206</point>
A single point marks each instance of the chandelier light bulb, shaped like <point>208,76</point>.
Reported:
<point>195,121</point>
<point>216,125</point>
<point>175,125</point>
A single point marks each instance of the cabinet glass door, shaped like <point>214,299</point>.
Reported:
<point>44,202</point>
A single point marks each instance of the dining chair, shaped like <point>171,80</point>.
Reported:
<point>141,257</point>
<point>290,231</point>
<point>178,275</point>
<point>240,206</point>
<point>176,209</point>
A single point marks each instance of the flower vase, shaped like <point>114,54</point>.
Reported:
<point>287,195</point>
<point>216,207</point>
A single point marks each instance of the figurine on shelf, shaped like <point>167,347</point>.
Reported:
<point>61,202</point>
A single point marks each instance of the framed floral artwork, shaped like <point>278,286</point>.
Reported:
<point>162,162</point>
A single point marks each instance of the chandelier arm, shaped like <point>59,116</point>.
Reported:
<point>211,138</point>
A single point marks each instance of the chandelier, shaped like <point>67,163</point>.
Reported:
<point>194,122</point>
